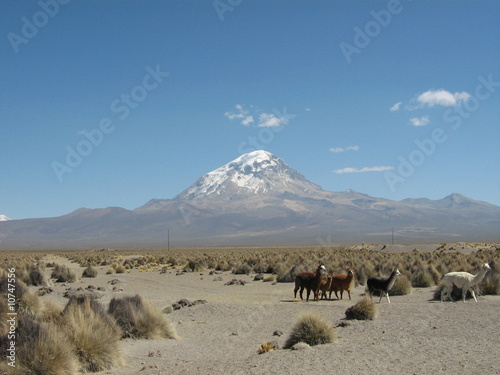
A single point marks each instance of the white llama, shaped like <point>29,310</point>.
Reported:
<point>464,281</point>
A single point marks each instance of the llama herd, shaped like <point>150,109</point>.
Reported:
<point>319,282</point>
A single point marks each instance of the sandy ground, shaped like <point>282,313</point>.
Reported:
<point>412,335</point>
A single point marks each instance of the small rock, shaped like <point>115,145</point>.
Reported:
<point>301,346</point>
<point>277,333</point>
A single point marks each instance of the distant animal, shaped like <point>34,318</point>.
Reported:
<point>325,286</point>
<point>339,283</point>
<point>382,285</point>
<point>309,281</point>
<point>464,281</point>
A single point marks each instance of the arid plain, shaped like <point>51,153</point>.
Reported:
<point>414,334</point>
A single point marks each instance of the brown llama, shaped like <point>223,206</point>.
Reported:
<point>340,283</point>
<point>309,281</point>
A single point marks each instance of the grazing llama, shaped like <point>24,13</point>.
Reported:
<point>339,283</point>
<point>382,285</point>
<point>464,281</point>
<point>310,281</point>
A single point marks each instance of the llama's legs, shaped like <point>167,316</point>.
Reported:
<point>387,295</point>
<point>381,295</point>
<point>341,294</point>
<point>295,290</point>
<point>349,292</point>
<point>444,292</point>
<point>471,292</point>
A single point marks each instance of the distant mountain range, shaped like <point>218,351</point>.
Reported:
<point>257,199</point>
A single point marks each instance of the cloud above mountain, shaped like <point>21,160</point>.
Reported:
<point>264,119</point>
<point>381,168</point>
<point>344,149</point>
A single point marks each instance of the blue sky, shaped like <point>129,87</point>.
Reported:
<point>112,103</point>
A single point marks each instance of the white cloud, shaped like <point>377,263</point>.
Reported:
<point>308,109</point>
<point>343,149</point>
<point>241,113</point>
<point>420,121</point>
<point>364,169</point>
<point>442,97</point>
<point>396,107</point>
<point>269,120</point>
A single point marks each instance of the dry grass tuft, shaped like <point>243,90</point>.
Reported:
<point>139,319</point>
<point>364,309</point>
<point>93,335</point>
<point>89,272</point>
<point>312,329</point>
<point>41,349</point>
<point>63,274</point>
<point>402,286</point>
<point>268,347</point>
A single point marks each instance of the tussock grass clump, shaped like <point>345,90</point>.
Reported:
<point>89,272</point>
<point>364,309</point>
<point>242,269</point>
<point>490,284</point>
<point>422,279</point>
<point>139,319</point>
<point>41,349</point>
<point>312,329</point>
<point>92,333</point>
<point>269,278</point>
<point>63,274</point>
<point>401,287</point>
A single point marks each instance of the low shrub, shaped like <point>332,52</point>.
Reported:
<point>422,279</point>
<point>312,329</point>
<point>93,335</point>
<point>401,287</point>
<point>63,274</point>
<point>41,349</point>
<point>139,319</point>
<point>89,272</point>
<point>364,309</point>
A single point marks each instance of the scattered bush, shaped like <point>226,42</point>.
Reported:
<point>269,278</point>
<point>312,329</point>
<point>41,349</point>
<point>401,287</point>
<point>422,279</point>
<point>89,272</point>
<point>490,284</point>
<point>364,309</point>
<point>63,274</point>
<point>138,319</point>
<point>93,334</point>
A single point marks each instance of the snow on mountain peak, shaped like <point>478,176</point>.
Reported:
<point>257,172</point>
<point>4,218</point>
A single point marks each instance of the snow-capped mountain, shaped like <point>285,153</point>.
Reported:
<point>256,173</point>
<point>257,199</point>
<point>4,218</point>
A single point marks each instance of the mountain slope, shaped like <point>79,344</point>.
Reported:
<point>257,199</point>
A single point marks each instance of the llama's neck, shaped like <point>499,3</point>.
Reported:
<point>476,279</point>
<point>392,280</point>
